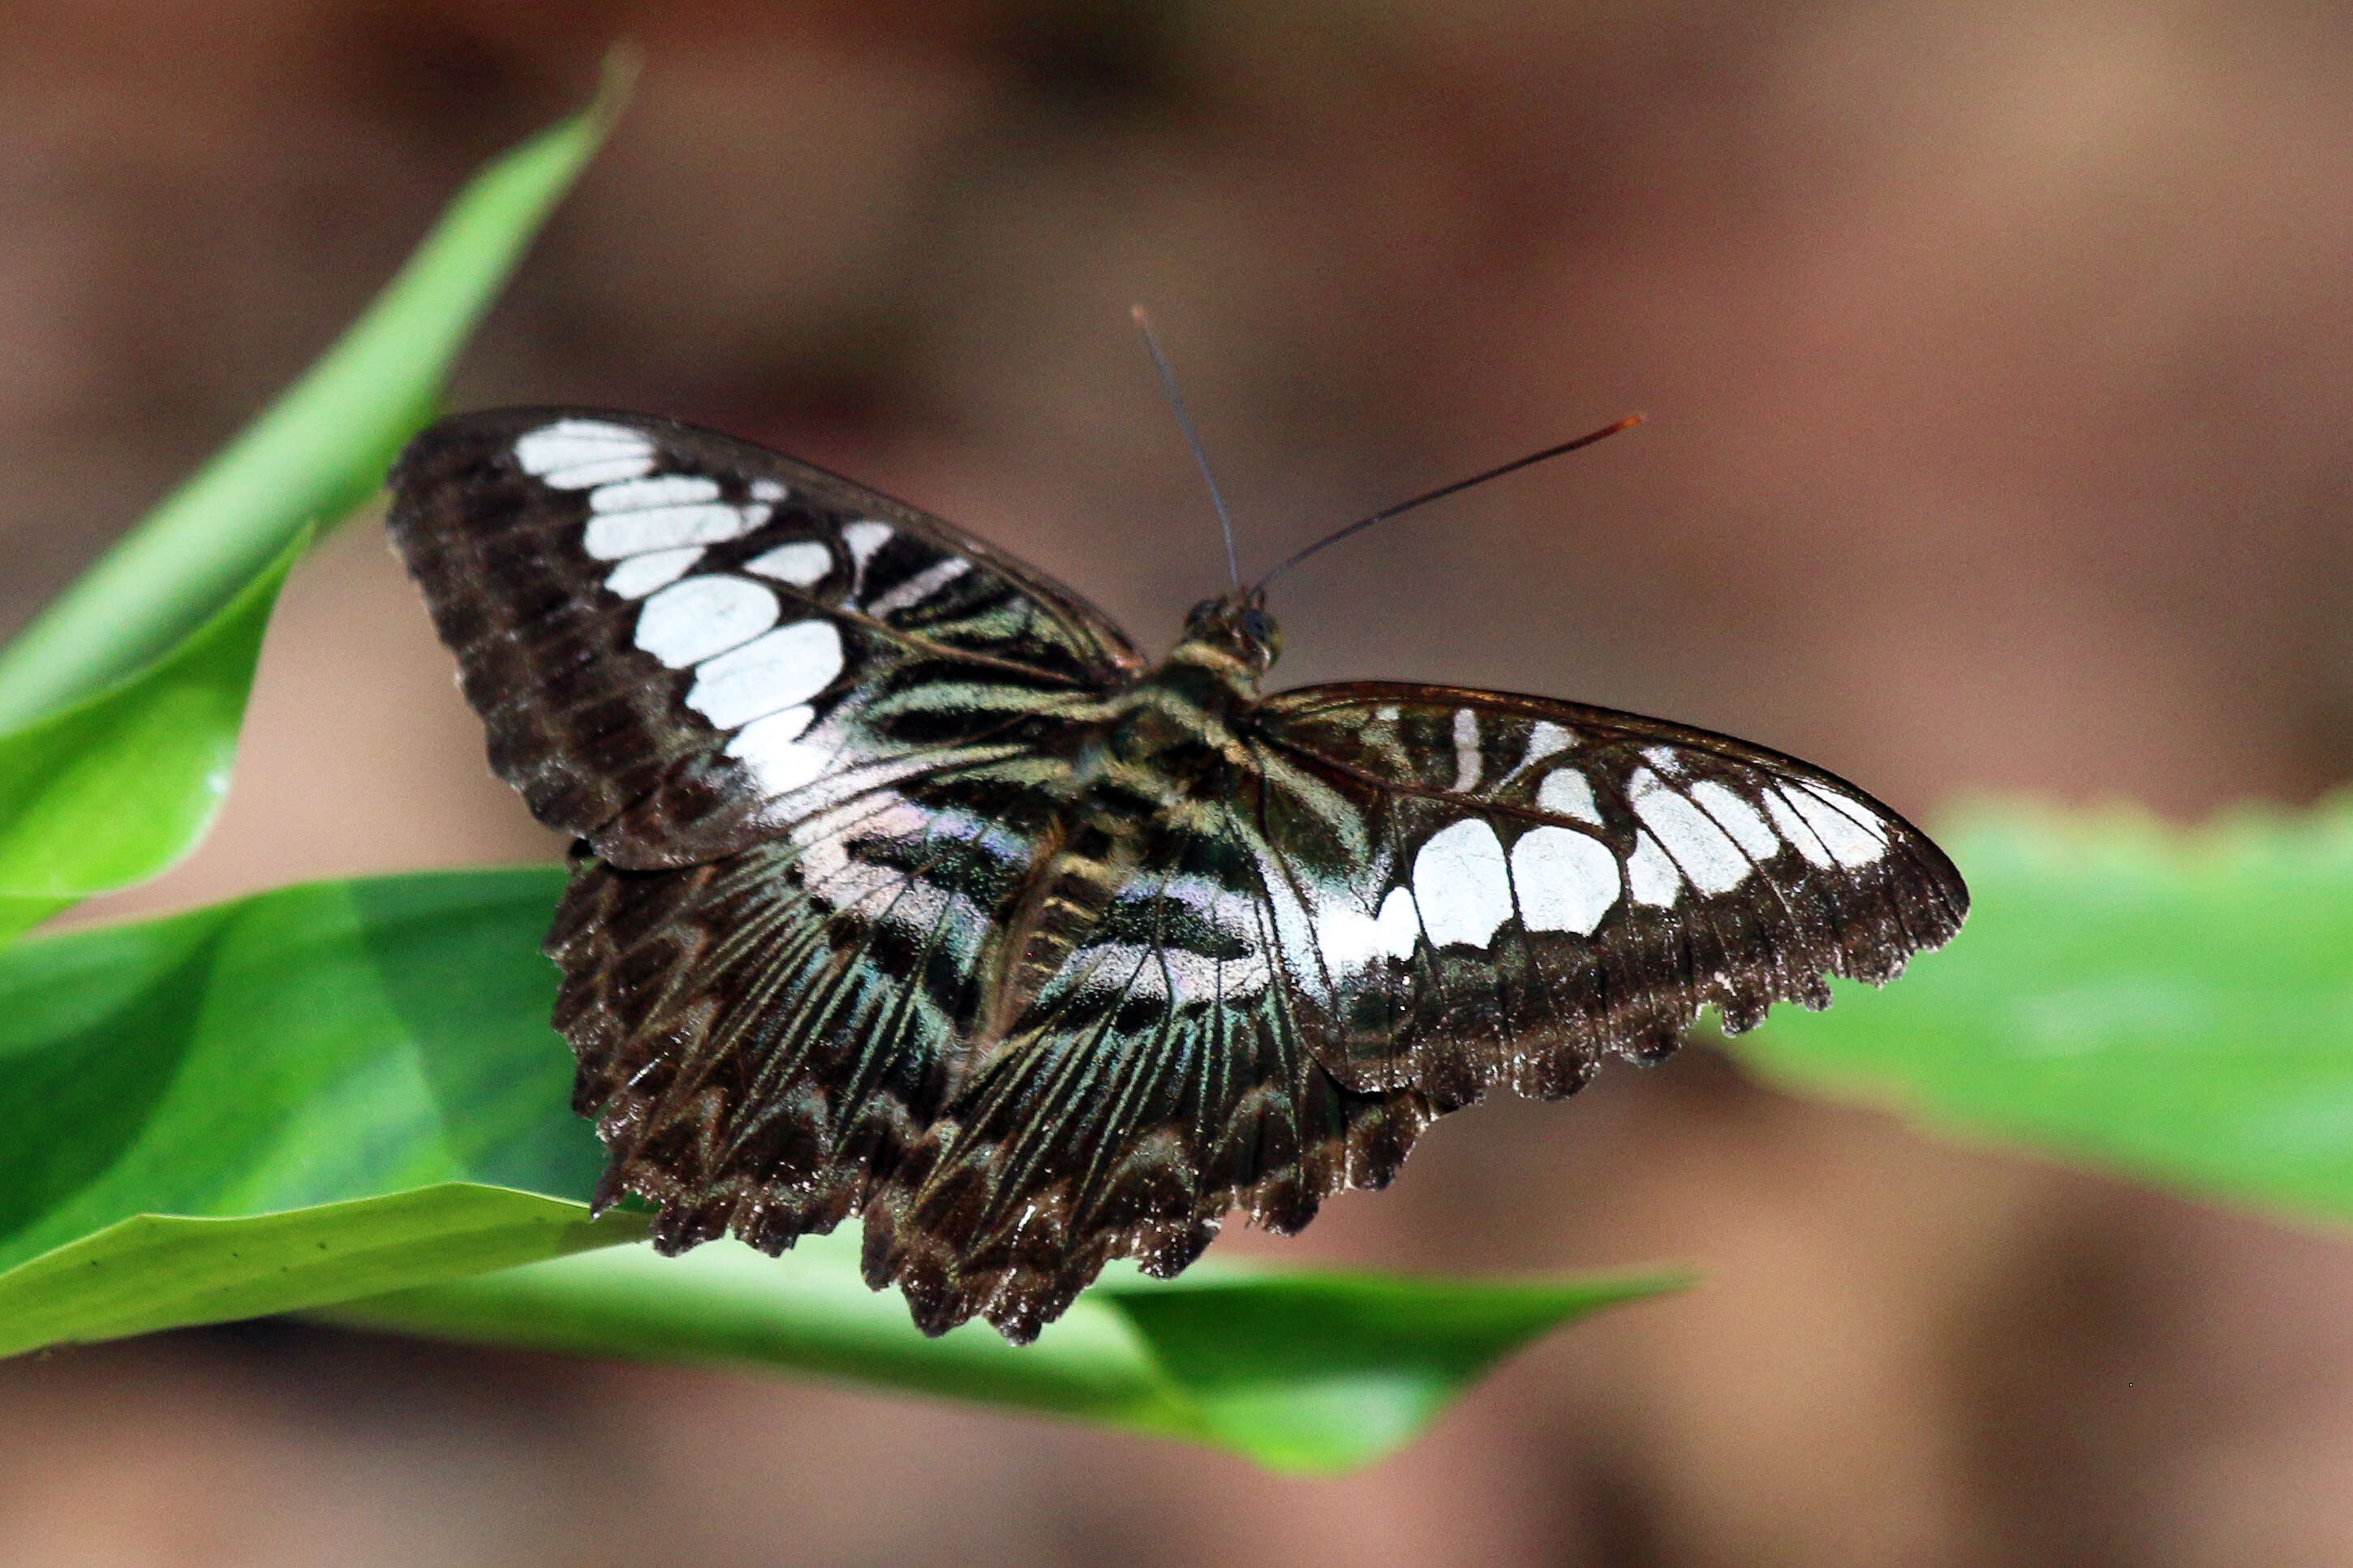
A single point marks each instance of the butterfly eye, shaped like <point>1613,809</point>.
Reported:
<point>1265,638</point>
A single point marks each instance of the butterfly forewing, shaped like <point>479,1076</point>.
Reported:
<point>811,739</point>
<point>680,642</point>
<point>1484,887</point>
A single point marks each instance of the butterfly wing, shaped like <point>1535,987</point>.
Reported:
<point>1475,888</point>
<point>1395,898</point>
<point>1158,1080</point>
<point>680,644</point>
<point>811,740</point>
<point>765,1037</point>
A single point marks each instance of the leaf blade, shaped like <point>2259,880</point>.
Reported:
<point>151,1272</point>
<point>315,1044</point>
<point>723,1304</point>
<point>315,454</point>
<point>118,787</point>
<point>1310,1372</point>
<point>2173,1006</point>
<point>1318,1372</point>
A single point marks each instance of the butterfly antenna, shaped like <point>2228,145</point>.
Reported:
<point>1192,439</point>
<point>1444,490</point>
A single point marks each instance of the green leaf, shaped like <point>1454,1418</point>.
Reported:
<point>1313,1372</point>
<point>314,456</point>
<point>119,786</point>
<point>2176,1006</point>
<point>1324,1371</point>
<point>350,1090</point>
<point>164,1271</point>
<point>19,916</point>
<point>314,1044</point>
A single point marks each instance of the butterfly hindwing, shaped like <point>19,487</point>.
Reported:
<point>764,1039</point>
<point>1159,1080</point>
<point>680,642</point>
<point>1481,888</point>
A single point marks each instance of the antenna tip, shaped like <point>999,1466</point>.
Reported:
<point>1627,423</point>
<point>1136,314</point>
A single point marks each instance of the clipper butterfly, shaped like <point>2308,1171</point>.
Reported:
<point>906,888</point>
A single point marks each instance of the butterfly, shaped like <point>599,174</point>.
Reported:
<point>906,888</point>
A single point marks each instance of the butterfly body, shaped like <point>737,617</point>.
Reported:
<point>906,888</point>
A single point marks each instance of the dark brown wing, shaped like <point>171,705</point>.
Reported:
<point>1476,888</point>
<point>1395,898</point>
<point>812,740</point>
<point>763,1039</point>
<point>681,644</point>
<point>1160,1079</point>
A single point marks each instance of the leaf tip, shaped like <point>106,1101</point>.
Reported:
<point>617,82</point>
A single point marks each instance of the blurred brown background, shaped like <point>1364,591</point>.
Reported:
<point>1997,359</point>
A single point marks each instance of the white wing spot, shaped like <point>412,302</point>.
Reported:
<point>769,491</point>
<point>1546,739</point>
<point>639,576</point>
<point>1793,828</point>
<point>844,880</point>
<point>1566,880</point>
<point>688,622</point>
<point>1736,816</point>
<point>1400,923</point>
<point>1851,841</point>
<point>864,537</point>
<point>1468,763</point>
<point>803,563</point>
<point>1173,974</point>
<point>602,471</point>
<point>1650,875</point>
<point>574,454</point>
<point>919,587</point>
<point>1467,755</point>
<point>1666,759</point>
<point>835,844</point>
<point>1704,851</point>
<point>614,534</point>
<point>640,495</point>
<point>1348,938</point>
<point>1567,792</point>
<point>772,748</point>
<point>1351,938</point>
<point>789,665</point>
<point>1461,884</point>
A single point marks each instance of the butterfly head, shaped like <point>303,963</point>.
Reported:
<point>1238,627</point>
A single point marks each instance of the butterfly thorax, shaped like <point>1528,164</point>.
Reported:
<point>1168,745</point>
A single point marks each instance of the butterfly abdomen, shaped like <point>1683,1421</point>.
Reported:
<point>1163,743</point>
<point>1089,861</point>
